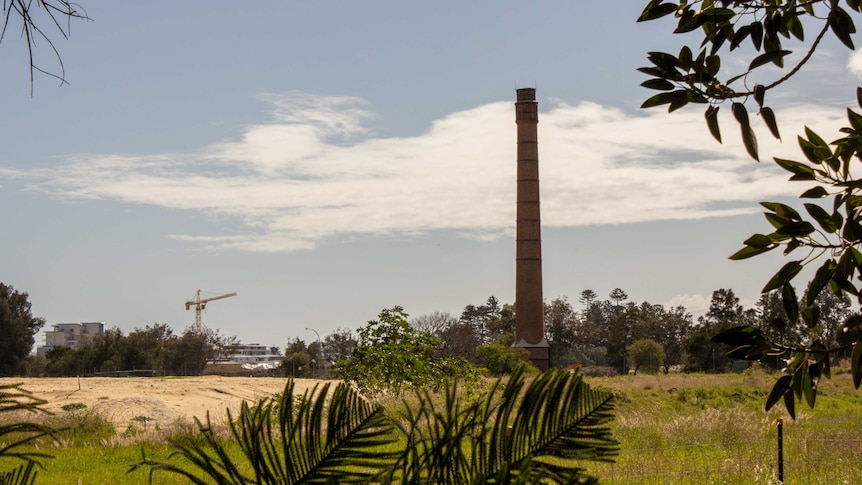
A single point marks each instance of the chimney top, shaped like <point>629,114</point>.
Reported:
<point>526,94</point>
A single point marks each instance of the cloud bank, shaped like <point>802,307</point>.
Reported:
<point>314,173</point>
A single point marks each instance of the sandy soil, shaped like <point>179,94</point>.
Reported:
<point>163,400</point>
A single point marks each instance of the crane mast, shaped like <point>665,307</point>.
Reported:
<point>200,304</point>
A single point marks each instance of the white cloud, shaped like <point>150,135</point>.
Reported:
<point>854,63</point>
<point>311,173</point>
<point>696,304</point>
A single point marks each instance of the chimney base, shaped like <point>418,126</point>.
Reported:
<point>540,353</point>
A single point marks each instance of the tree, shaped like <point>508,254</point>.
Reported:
<point>501,359</point>
<point>393,356</point>
<point>561,331</point>
<point>696,76</point>
<point>297,360</point>
<point>704,354</point>
<point>433,322</point>
<point>480,316</point>
<point>647,354</point>
<point>17,326</point>
<point>338,345</point>
<point>35,20</point>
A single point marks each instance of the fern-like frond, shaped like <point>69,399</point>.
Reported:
<point>314,438</point>
<point>23,475</point>
<point>515,433</point>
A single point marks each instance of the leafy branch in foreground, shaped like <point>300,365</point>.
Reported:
<point>517,433</point>
<point>695,75</point>
<point>831,232</point>
<point>834,240</point>
<point>15,434</point>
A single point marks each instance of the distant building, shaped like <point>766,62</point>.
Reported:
<point>254,354</point>
<point>244,358</point>
<point>71,335</point>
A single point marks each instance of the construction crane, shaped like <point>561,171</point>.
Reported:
<point>201,304</point>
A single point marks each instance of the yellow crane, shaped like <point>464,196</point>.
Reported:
<point>201,304</point>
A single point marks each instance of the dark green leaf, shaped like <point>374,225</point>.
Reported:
<point>713,64</point>
<point>815,139</point>
<point>659,84</point>
<point>750,141</point>
<point>822,217</point>
<point>821,279</point>
<point>791,306</point>
<point>757,35</point>
<point>782,210</point>
<point>673,75</point>
<point>842,26</point>
<point>739,36</point>
<point>778,324</point>
<point>794,26</point>
<point>759,241</point>
<point>796,229</point>
<point>718,14</point>
<point>748,252</point>
<point>852,322</point>
<point>859,96</point>
<point>814,193</point>
<point>684,58</point>
<point>657,10</point>
<point>769,118</point>
<point>811,316</point>
<point>800,170</point>
<point>740,113</point>
<point>856,364</point>
<point>663,60</point>
<point>741,335</point>
<point>712,122</point>
<point>689,21</point>
<point>783,276</point>
<point>808,149</point>
<point>759,92</point>
<point>775,57</point>
<point>790,404</point>
<point>855,119</point>
<point>781,387</point>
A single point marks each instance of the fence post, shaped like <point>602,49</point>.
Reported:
<point>780,450</point>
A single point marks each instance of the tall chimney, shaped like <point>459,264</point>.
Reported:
<point>529,304</point>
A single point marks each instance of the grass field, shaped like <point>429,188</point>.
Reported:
<point>681,429</point>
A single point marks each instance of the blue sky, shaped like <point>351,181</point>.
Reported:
<point>325,160</point>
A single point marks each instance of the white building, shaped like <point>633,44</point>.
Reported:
<point>71,335</point>
<point>255,356</point>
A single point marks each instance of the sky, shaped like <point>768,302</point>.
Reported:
<point>325,160</point>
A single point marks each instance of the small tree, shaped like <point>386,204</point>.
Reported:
<point>501,359</point>
<point>646,354</point>
<point>393,356</point>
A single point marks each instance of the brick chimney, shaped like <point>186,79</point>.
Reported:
<point>529,302</point>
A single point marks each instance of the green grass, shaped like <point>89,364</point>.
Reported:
<point>681,429</point>
<point>696,429</point>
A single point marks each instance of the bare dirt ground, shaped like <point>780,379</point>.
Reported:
<point>163,401</point>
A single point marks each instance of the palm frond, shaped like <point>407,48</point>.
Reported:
<point>312,438</point>
<point>515,433</point>
<point>23,475</point>
<point>16,434</point>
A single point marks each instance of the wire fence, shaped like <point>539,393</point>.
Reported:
<point>805,460</point>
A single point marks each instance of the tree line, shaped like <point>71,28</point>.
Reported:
<point>610,336</point>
